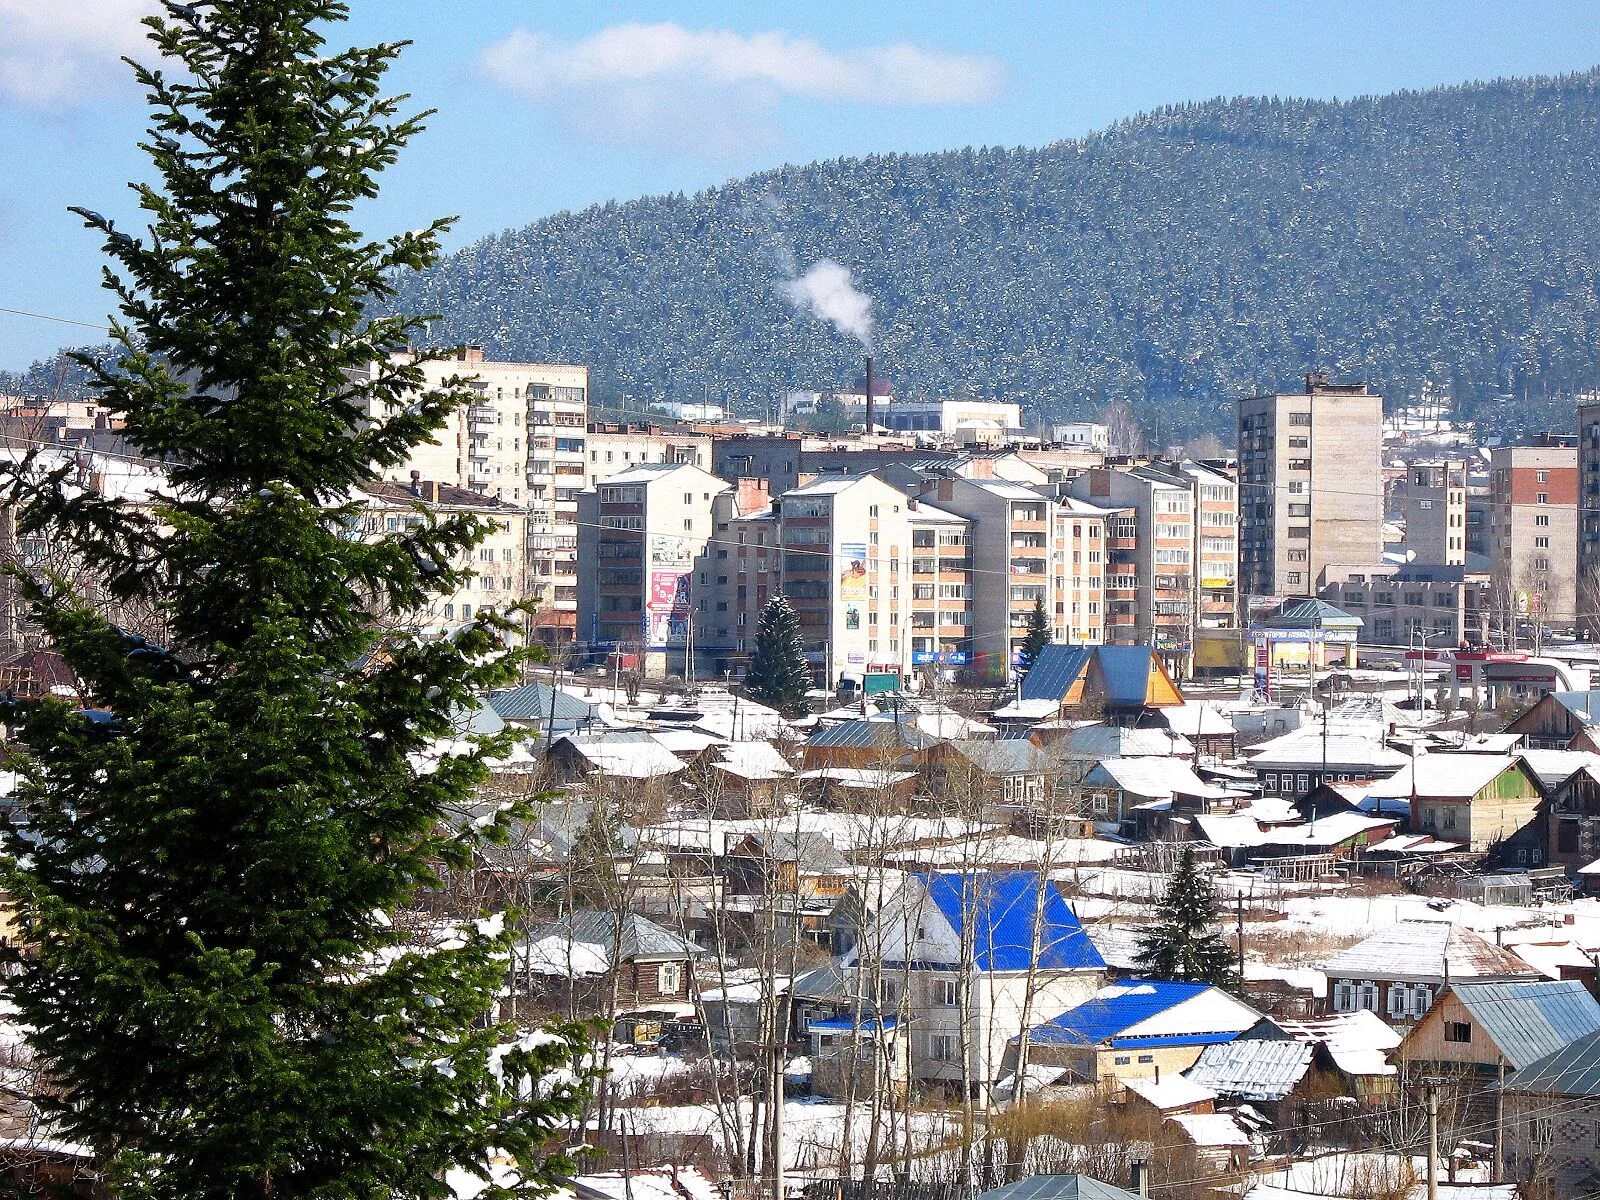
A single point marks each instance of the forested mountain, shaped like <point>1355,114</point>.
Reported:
<point>1174,260</point>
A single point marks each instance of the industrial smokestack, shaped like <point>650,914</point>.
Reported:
<point>869,393</point>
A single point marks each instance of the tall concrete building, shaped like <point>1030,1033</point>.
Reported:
<point>1216,536</point>
<point>881,581</point>
<point>520,441</point>
<point>1310,488</point>
<point>643,537</point>
<point>1588,564</point>
<point>1533,531</point>
<point>1436,512</point>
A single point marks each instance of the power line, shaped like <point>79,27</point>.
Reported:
<point>22,312</point>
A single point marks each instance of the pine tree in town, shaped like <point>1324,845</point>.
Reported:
<point>208,854</point>
<point>1036,639</point>
<point>1184,942</point>
<point>778,675</point>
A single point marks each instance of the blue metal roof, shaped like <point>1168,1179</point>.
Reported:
<point>846,1024</point>
<point>1530,1020</point>
<point>1101,1018</point>
<point>1175,1039</point>
<point>1004,907</point>
<point>1126,672</point>
<point>1054,672</point>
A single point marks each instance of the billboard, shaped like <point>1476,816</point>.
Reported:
<point>666,615</point>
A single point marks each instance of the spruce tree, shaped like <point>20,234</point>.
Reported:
<point>1037,638</point>
<point>208,855</point>
<point>778,675</point>
<point>1184,943</point>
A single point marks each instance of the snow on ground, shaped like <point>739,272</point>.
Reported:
<point>1331,1176</point>
<point>1356,916</point>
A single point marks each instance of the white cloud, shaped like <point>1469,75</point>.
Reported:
<point>713,90</point>
<point>59,52</point>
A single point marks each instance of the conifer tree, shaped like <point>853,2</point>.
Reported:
<point>778,675</point>
<point>1036,639</point>
<point>1184,942</point>
<point>208,854</point>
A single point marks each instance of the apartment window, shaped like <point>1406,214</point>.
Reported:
<point>1541,476</point>
<point>1300,418</point>
<point>942,1047</point>
<point>944,993</point>
<point>1541,543</point>
<point>1542,498</point>
<point>1542,520</point>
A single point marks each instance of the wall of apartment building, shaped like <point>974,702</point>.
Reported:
<point>644,536</point>
<point>1401,609</point>
<point>743,563</point>
<point>1311,493</point>
<point>611,448</point>
<point>521,440</point>
<point>1216,496</point>
<point>497,561</point>
<point>1080,617</point>
<point>1588,561</point>
<point>1533,529</point>
<point>1159,511</point>
<point>773,458</point>
<point>1436,512</point>
<point>847,568</point>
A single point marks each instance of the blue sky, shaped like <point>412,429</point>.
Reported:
<point>545,106</point>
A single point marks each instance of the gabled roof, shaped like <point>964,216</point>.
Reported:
<point>1312,614</point>
<point>1057,1187</point>
<point>1010,913</point>
<point>1002,756</point>
<point>1121,741</point>
<point>631,754</point>
<point>866,734</point>
<point>1530,1020</point>
<point>1447,776</point>
<point>1152,778</point>
<point>1141,1012</point>
<point>531,702</point>
<point>753,760</point>
<point>640,937</point>
<point>1421,950</point>
<point>1252,1069</point>
<point>1055,671</point>
<point>810,851</point>
<point>1573,1070</point>
<point>1585,706</point>
<point>1125,672</point>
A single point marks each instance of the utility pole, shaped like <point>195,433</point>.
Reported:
<point>1239,925</point>
<point>1499,1126</point>
<point>1433,1140</point>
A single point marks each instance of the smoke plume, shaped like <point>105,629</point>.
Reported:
<point>826,291</point>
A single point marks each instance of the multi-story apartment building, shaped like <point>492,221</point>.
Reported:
<point>1441,606</point>
<point>1216,549</point>
<point>1533,530</point>
<point>1310,493</point>
<point>742,568</point>
<point>612,447</point>
<point>876,577</point>
<point>1436,512</point>
<point>497,562</point>
<point>521,440</point>
<point>1026,547</point>
<point>643,536</point>
<point>1588,564</point>
<point>1154,576</point>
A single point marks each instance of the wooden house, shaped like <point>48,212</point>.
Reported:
<point>1480,800</point>
<point>1556,719</point>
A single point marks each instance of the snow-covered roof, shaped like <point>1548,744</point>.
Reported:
<point>683,741</point>
<point>1094,742</point>
<point>1156,778</point>
<point>1175,1091</point>
<point>1426,951</point>
<point>1353,743</point>
<point>1555,767</point>
<point>1028,710</point>
<point>1359,1041</point>
<point>1194,718</point>
<point>857,777</point>
<point>632,755</point>
<point>1210,1129</point>
<point>1444,776</point>
<point>1261,1069</point>
<point>753,760</point>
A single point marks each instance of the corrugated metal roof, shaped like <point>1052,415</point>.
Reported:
<point>640,936</point>
<point>1252,1069</point>
<point>1005,909</point>
<point>1585,706</point>
<point>1058,1187</point>
<point>1113,1009</point>
<point>1530,1020</point>
<point>1002,756</point>
<point>1573,1070</point>
<point>531,702</point>
<point>1054,672</point>
<point>810,851</point>
<point>1126,671</point>
<point>865,734</point>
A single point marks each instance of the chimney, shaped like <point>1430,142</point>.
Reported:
<point>869,393</point>
<point>416,484</point>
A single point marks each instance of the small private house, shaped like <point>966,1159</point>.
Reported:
<point>649,966</point>
<point>1480,800</point>
<point>541,708</point>
<point>785,863</point>
<point>1551,1119</point>
<point>1572,821</point>
<point>1398,971</point>
<point>748,779</point>
<point>1137,1029</point>
<point>968,957</point>
<point>1479,1032</point>
<point>867,743</point>
<point>1125,683</point>
<point>1559,719</point>
<point>1296,763</point>
<point>1134,794</point>
<point>999,776</point>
